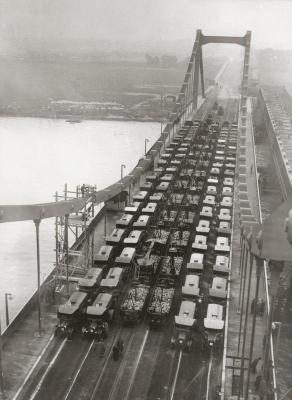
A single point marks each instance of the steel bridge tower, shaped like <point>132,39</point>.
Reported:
<point>189,93</point>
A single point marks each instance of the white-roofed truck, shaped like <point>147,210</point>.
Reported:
<point>184,324</point>
<point>213,326</point>
<point>99,315</point>
<point>71,314</point>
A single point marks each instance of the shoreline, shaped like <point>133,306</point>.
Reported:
<point>78,119</point>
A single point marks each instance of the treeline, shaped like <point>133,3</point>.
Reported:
<point>164,61</point>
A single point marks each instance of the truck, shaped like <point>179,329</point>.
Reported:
<point>184,324</point>
<point>99,315</point>
<point>71,314</point>
<point>147,267</point>
<point>169,274</point>
<point>160,305</point>
<point>213,325</point>
<point>135,303</point>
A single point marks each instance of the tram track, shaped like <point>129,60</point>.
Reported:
<point>173,386</point>
<point>57,370</point>
<point>49,367</point>
<point>117,377</point>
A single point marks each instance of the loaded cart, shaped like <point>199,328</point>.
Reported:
<point>147,268</point>
<point>170,271</point>
<point>160,306</point>
<point>135,303</point>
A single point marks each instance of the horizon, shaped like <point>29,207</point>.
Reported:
<point>138,25</point>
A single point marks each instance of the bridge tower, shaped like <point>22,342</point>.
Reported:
<point>194,77</point>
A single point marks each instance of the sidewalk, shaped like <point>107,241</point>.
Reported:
<point>244,210</point>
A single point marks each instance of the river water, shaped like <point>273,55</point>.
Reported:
<point>37,157</point>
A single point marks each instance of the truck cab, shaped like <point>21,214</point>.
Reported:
<point>104,256</point>
<point>90,282</point>
<point>71,314</point>
<point>99,315</point>
<point>213,324</point>
<point>184,326</point>
<point>190,288</point>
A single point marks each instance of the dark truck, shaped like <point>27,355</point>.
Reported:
<point>160,306</point>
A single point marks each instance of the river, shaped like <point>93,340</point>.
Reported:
<point>37,157</point>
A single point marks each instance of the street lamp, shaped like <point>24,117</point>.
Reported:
<point>122,170</point>
<point>8,296</point>
<point>145,145</point>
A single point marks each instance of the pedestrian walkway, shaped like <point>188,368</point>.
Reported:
<point>246,212</point>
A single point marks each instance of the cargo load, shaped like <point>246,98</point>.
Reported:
<point>134,305</point>
<point>160,306</point>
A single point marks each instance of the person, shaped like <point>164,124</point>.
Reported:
<point>120,345</point>
<point>83,190</point>
<point>261,307</point>
<point>257,383</point>
<point>254,365</point>
<point>251,169</point>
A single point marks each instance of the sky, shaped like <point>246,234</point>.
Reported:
<point>76,25</point>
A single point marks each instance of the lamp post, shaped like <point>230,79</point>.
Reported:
<point>122,170</point>
<point>145,146</point>
<point>8,296</point>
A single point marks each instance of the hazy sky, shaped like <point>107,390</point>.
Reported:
<point>155,23</point>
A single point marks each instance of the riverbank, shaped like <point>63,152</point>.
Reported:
<point>77,118</point>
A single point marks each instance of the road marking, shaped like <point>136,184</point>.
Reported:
<point>47,370</point>
<point>33,367</point>
<point>175,376</point>
<point>209,375</point>
<point>78,371</point>
<point>199,373</point>
<point>137,363</point>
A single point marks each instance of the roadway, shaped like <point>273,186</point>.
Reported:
<point>149,369</point>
